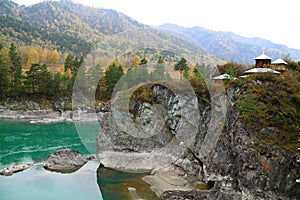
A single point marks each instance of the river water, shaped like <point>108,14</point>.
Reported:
<point>22,142</point>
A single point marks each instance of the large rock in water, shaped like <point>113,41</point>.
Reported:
<point>65,161</point>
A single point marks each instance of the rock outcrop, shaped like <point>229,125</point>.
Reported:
<point>151,136</point>
<point>224,153</point>
<point>65,161</point>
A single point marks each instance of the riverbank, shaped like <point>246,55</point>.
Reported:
<point>51,116</point>
<point>47,111</point>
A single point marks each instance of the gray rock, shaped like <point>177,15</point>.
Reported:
<point>153,135</point>
<point>65,161</point>
<point>9,171</point>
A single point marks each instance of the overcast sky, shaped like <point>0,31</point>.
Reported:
<point>278,21</point>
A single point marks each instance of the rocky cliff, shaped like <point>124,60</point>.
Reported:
<point>208,142</point>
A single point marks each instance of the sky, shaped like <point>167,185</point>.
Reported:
<point>278,21</point>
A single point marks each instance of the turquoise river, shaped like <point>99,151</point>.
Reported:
<point>22,142</point>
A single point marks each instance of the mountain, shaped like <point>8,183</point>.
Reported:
<point>63,24</point>
<point>232,47</point>
<point>72,27</point>
<point>69,26</point>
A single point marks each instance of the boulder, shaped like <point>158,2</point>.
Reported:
<point>65,161</point>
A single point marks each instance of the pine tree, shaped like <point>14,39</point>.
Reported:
<point>112,76</point>
<point>4,78</point>
<point>143,61</point>
<point>181,66</point>
<point>73,63</point>
<point>160,61</point>
<point>15,69</point>
<point>44,79</point>
<point>32,77</point>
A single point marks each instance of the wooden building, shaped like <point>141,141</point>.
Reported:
<point>279,65</point>
<point>262,61</point>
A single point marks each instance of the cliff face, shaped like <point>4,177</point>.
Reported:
<point>211,144</point>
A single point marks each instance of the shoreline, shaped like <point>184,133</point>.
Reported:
<point>50,116</point>
<point>35,172</point>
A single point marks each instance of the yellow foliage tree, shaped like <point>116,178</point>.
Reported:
<point>135,61</point>
<point>53,60</point>
<point>33,57</point>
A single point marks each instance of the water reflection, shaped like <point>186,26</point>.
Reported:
<point>116,185</point>
<point>36,183</point>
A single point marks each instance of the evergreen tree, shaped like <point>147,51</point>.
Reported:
<point>73,63</point>
<point>68,63</point>
<point>181,66</point>
<point>4,83</point>
<point>143,61</point>
<point>32,77</point>
<point>112,76</point>
<point>160,61</point>
<point>38,79</point>
<point>15,69</point>
<point>44,79</point>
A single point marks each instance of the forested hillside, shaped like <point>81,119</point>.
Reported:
<point>63,25</point>
<point>43,46</point>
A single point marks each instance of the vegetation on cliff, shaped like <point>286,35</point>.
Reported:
<point>269,100</point>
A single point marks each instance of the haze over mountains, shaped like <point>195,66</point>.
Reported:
<point>233,47</point>
<point>69,26</point>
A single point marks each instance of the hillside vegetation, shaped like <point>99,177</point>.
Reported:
<point>63,25</point>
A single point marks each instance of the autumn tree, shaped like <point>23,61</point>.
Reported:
<point>136,60</point>
<point>232,68</point>
<point>54,59</point>
<point>33,57</point>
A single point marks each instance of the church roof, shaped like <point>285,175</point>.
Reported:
<point>261,70</point>
<point>279,61</point>
<point>263,57</point>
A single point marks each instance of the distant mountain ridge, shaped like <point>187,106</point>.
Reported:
<point>232,47</point>
<point>69,26</point>
<point>72,27</point>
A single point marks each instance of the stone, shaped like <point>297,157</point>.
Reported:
<point>65,161</point>
<point>167,179</point>
<point>9,171</point>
